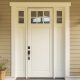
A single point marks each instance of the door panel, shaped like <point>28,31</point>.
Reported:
<point>39,40</point>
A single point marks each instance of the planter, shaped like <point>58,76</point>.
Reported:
<point>2,74</point>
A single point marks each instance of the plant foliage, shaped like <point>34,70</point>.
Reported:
<point>3,63</point>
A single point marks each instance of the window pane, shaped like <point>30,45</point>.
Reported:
<point>21,20</point>
<point>33,13</point>
<point>33,20</point>
<point>46,20</point>
<point>59,13</point>
<point>59,20</point>
<point>39,20</point>
<point>21,13</point>
<point>46,13</point>
<point>36,20</point>
<point>40,13</point>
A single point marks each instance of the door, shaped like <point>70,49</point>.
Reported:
<point>39,42</point>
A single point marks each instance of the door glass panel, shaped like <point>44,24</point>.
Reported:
<point>46,19</point>
<point>40,13</point>
<point>36,20</point>
<point>33,13</point>
<point>46,13</point>
<point>59,16</point>
<point>59,20</point>
<point>21,17</point>
<point>38,17</point>
<point>33,20</point>
<point>39,20</point>
<point>59,13</point>
<point>21,13</point>
<point>21,20</point>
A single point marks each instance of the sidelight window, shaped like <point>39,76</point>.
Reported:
<point>21,17</point>
<point>59,16</point>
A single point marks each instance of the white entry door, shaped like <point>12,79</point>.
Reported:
<point>39,42</point>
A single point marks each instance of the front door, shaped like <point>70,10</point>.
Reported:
<point>39,42</point>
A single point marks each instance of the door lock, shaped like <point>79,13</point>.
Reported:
<point>28,52</point>
<point>28,55</point>
<point>28,47</point>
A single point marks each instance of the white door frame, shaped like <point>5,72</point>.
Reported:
<point>54,5</point>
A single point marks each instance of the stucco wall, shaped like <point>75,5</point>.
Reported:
<point>5,32</point>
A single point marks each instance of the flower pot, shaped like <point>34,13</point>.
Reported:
<point>2,74</point>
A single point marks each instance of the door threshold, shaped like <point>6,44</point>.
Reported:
<point>40,77</point>
<point>21,78</point>
<point>59,78</point>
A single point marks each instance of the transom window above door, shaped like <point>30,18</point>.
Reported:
<point>41,17</point>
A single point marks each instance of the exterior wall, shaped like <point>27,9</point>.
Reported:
<point>5,33</point>
<point>75,38</point>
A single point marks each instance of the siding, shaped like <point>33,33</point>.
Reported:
<point>5,33</point>
<point>75,39</point>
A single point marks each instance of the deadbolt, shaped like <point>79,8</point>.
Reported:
<point>28,47</point>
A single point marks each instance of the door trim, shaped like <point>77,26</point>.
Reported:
<point>40,4</point>
<point>67,42</point>
<point>66,5</point>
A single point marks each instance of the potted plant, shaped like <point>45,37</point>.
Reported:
<point>2,68</point>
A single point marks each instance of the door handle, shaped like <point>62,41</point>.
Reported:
<point>28,52</point>
<point>28,55</point>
